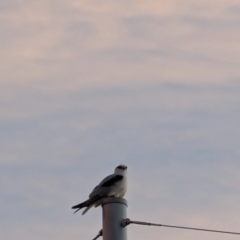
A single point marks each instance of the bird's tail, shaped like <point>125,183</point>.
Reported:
<point>86,209</point>
<point>88,203</point>
<point>81,205</point>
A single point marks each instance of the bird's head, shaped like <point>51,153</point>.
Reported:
<point>121,169</point>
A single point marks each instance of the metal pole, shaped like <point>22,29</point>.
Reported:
<point>114,212</point>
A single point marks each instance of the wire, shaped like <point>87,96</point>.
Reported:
<point>100,233</point>
<point>127,221</point>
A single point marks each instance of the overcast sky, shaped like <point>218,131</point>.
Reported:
<point>87,85</point>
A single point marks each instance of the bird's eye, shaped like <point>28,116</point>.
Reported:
<point>122,167</point>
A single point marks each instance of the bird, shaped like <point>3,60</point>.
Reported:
<point>114,185</point>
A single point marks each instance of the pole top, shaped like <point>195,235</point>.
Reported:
<point>114,200</point>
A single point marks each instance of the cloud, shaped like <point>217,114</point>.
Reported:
<point>80,45</point>
<point>158,116</point>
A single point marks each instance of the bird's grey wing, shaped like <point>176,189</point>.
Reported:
<point>102,182</point>
<point>111,181</point>
<point>104,186</point>
<point>106,179</point>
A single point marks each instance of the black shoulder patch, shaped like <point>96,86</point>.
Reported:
<point>112,181</point>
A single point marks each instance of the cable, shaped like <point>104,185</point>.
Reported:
<point>127,221</point>
<point>100,233</point>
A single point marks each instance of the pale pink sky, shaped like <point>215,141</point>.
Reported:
<point>88,85</point>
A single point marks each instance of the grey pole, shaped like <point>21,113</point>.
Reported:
<point>114,212</point>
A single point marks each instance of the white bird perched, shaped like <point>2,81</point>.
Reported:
<point>114,185</point>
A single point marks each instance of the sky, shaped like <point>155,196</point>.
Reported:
<point>87,85</point>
